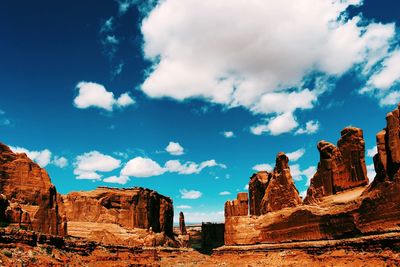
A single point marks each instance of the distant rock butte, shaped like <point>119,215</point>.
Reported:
<point>340,168</point>
<point>33,200</point>
<point>237,207</point>
<point>129,208</point>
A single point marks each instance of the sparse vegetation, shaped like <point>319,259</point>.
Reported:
<point>7,253</point>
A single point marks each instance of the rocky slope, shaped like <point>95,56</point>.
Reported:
<point>32,199</point>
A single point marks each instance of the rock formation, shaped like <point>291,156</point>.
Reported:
<point>33,199</point>
<point>273,191</point>
<point>343,206</point>
<point>340,168</point>
<point>182,227</point>
<point>237,207</point>
<point>257,186</point>
<point>130,208</point>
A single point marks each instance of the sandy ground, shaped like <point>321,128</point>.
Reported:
<point>47,256</point>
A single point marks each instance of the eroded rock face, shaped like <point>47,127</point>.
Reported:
<point>130,208</point>
<point>280,192</point>
<point>340,168</point>
<point>182,227</point>
<point>257,186</point>
<point>237,207</point>
<point>25,184</point>
<point>272,191</point>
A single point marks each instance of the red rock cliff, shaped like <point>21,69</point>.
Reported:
<point>28,188</point>
<point>131,208</point>
<point>340,168</point>
<point>237,207</point>
<point>273,191</point>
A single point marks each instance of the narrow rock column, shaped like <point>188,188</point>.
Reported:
<point>182,226</point>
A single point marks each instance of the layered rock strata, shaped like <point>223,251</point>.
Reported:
<point>34,201</point>
<point>272,191</point>
<point>340,168</point>
<point>349,209</point>
<point>129,208</point>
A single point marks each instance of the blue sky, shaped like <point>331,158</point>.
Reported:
<point>95,93</point>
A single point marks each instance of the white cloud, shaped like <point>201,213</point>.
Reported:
<point>124,5</point>
<point>277,125</point>
<point>372,151</point>
<point>142,167</point>
<point>228,134</point>
<point>311,127</point>
<point>92,94</point>
<point>116,179</point>
<point>224,193</point>
<point>246,187</point>
<point>190,167</point>
<point>174,148</point>
<point>295,155</point>
<point>107,26</point>
<point>390,99</point>
<point>256,54</point>
<point>384,80</point>
<point>43,157</point>
<point>60,161</point>
<point>298,174</point>
<point>89,164</point>
<point>303,194</point>
<point>183,207</point>
<point>190,194</point>
<point>263,167</point>
<point>371,172</point>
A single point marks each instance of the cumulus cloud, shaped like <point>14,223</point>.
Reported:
<point>190,167</point>
<point>61,162</point>
<point>280,124</point>
<point>257,54</point>
<point>372,151</point>
<point>190,194</point>
<point>142,167</point>
<point>224,193</point>
<point>42,157</point>
<point>310,128</point>
<point>296,155</point>
<point>298,174</point>
<point>116,179</point>
<point>228,134</point>
<point>92,94</point>
<point>89,164</point>
<point>385,77</point>
<point>174,148</point>
<point>184,207</point>
<point>371,172</point>
<point>303,194</point>
<point>263,167</point>
<point>246,187</point>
